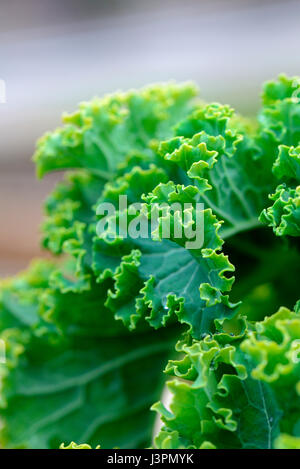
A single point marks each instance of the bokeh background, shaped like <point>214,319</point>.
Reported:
<point>56,53</point>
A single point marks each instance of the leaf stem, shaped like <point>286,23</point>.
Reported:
<point>242,226</point>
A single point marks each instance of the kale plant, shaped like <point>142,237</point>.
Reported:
<point>89,335</point>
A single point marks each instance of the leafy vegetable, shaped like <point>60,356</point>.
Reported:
<point>88,335</point>
<point>242,392</point>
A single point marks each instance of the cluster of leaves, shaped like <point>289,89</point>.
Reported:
<point>88,336</point>
<point>239,392</point>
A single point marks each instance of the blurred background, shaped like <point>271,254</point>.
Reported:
<point>56,53</point>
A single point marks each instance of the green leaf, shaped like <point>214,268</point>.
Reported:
<point>243,392</point>
<point>287,442</point>
<point>69,210</point>
<point>75,374</point>
<point>220,159</point>
<point>284,215</point>
<point>287,164</point>
<point>104,131</point>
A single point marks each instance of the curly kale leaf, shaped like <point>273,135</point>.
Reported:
<point>238,391</point>
<point>284,214</point>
